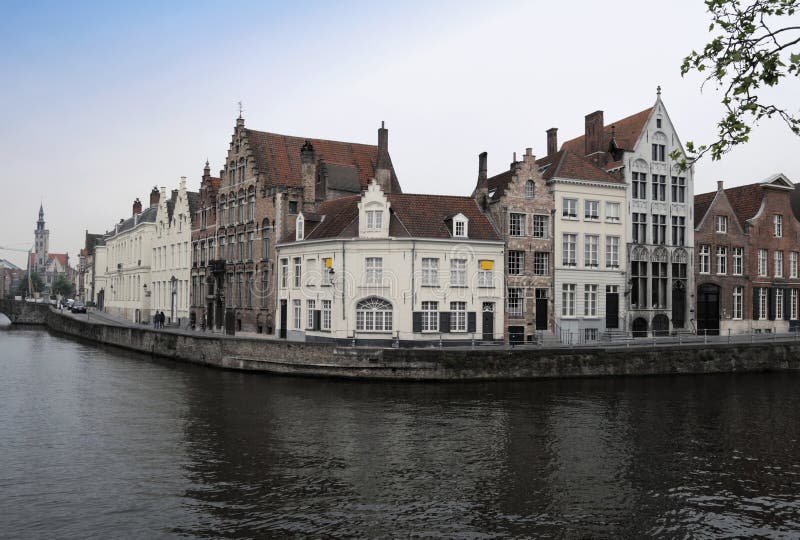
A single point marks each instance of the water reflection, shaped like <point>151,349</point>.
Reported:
<point>188,451</point>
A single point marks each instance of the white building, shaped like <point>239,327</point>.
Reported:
<point>392,267</point>
<point>589,251</point>
<point>171,254</point>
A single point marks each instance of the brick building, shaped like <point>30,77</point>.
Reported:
<point>207,306</point>
<point>267,180</point>
<point>748,246</point>
<point>520,206</point>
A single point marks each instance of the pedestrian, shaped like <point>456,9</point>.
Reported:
<point>163,318</point>
<point>155,320</point>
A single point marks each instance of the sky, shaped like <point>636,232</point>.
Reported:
<point>101,101</point>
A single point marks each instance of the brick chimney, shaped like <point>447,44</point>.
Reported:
<point>154,196</point>
<point>137,206</point>
<point>593,136</point>
<point>308,174</point>
<point>383,167</point>
<point>719,185</point>
<point>482,187</point>
<point>552,141</point>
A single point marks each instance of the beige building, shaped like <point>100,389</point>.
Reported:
<point>382,268</point>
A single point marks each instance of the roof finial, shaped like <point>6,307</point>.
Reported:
<point>658,90</point>
<point>241,109</point>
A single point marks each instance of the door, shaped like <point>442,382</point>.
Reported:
<point>230,322</point>
<point>639,327</point>
<point>541,309</point>
<point>284,319</point>
<point>708,309</point>
<point>516,334</point>
<point>488,321</point>
<point>210,316</point>
<point>612,310</point>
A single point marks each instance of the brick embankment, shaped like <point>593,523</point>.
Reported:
<point>328,360</point>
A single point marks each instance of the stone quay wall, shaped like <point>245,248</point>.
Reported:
<point>329,360</point>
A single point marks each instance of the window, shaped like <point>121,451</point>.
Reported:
<point>541,263</point>
<point>778,304</point>
<point>240,291</point>
<point>568,246</point>
<point>659,229</point>
<point>612,211</point>
<point>310,307</point>
<point>374,271</point>
<point>639,186</point>
<point>722,224</point>
<point>241,170</point>
<point>590,334</point>
<point>658,152</point>
<point>704,260</point>
<point>231,209</point>
<point>241,247</point>
<point>778,255</point>
<point>231,248</point>
<point>777,225</point>
<point>590,245</point>
<point>458,316</point>
<point>659,281</point>
<point>590,300</point>
<point>678,189</point>
<point>659,187</point>
<point>299,232</point>
<point>515,302</point>
<point>793,264</point>
<point>292,207</point>
<point>326,314</point>
<point>639,228</point>
<point>516,224</point>
<point>222,247</point>
<point>251,205</point>
<point>738,302</point>
<point>374,315</point>
<point>612,251</point>
<point>430,316</point>
<point>639,284</point>
<point>762,262</point>
<point>250,239</point>
<point>284,273</point>
<point>540,226</point>
<point>264,288</point>
<point>570,209</point>
<point>298,271</point>
<point>762,303</point>
<point>530,189</point>
<point>516,263</point>
<point>222,207</point>
<point>265,240</point>
<point>793,304</point>
<point>298,314</point>
<point>678,231</point>
<point>722,260</point>
<point>430,272</point>
<point>486,273</point>
<point>568,300</point>
<point>458,272</point>
<point>738,261</point>
<point>658,122</point>
<point>374,220</point>
<point>459,228</point>
<point>591,210</point>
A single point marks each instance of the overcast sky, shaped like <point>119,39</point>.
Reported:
<point>101,102</point>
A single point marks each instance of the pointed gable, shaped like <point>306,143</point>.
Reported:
<point>626,133</point>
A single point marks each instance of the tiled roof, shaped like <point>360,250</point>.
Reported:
<point>626,133</point>
<point>60,257</point>
<point>412,216</point>
<point>702,202</point>
<point>566,164</point>
<point>745,201</point>
<point>498,183</point>
<point>278,157</point>
<point>193,198</point>
<point>148,215</point>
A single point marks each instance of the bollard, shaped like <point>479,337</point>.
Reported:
<point>729,335</point>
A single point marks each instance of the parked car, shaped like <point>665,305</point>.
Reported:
<point>78,307</point>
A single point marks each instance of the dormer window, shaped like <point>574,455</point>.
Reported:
<point>374,220</point>
<point>299,228</point>
<point>722,224</point>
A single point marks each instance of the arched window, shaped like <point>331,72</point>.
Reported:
<point>251,204</point>
<point>374,314</point>
<point>222,206</point>
<point>265,239</point>
<point>241,170</point>
<point>530,189</point>
<point>232,172</point>
<point>231,209</point>
<point>242,208</point>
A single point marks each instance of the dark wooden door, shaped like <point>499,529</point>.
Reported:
<point>612,310</point>
<point>541,313</point>
<point>708,309</point>
<point>230,322</point>
<point>487,325</point>
<point>284,319</point>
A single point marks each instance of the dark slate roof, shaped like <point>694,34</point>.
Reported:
<point>411,216</point>
<point>341,177</point>
<point>92,240</point>
<point>278,158</point>
<point>148,215</point>
<point>626,133</point>
<point>567,164</point>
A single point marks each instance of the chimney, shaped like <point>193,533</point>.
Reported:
<point>528,157</point>
<point>308,175</point>
<point>482,188</point>
<point>154,196</point>
<point>137,207</point>
<point>552,141</point>
<point>593,136</point>
<point>383,166</point>
<point>719,185</point>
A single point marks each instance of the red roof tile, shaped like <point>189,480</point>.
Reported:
<point>626,133</point>
<point>566,164</point>
<point>701,204</point>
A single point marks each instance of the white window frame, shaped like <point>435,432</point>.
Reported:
<point>458,272</point>
<point>778,263</point>
<point>793,256</point>
<point>516,262</point>
<point>373,271</point>
<point>762,263</point>
<point>738,303</point>
<point>298,271</point>
<point>540,226</point>
<point>591,248</point>
<point>459,228</point>
<point>569,208</point>
<point>722,260</point>
<point>458,316</point>
<point>738,261</point>
<point>779,304</point>
<point>569,247</point>
<point>297,311</point>
<point>311,305</point>
<point>374,220</point>
<point>430,272</point>
<point>517,224</point>
<point>568,299</point>
<point>777,225</point>
<point>284,273</point>
<point>517,310</point>
<point>612,251</point>
<point>763,307</point>
<point>325,323</point>
<point>704,259</point>
<point>793,307</point>
<point>722,225</point>
<point>590,300</point>
<point>613,215</point>
<point>589,205</point>
<point>430,316</point>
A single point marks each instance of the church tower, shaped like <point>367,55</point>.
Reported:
<point>42,236</point>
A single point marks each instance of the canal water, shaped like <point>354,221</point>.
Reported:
<point>98,443</point>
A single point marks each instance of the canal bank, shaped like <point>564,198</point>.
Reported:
<point>329,360</point>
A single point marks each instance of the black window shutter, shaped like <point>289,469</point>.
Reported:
<point>416,322</point>
<point>771,299</point>
<point>444,321</point>
<point>472,324</point>
<point>787,304</point>
<point>755,304</point>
